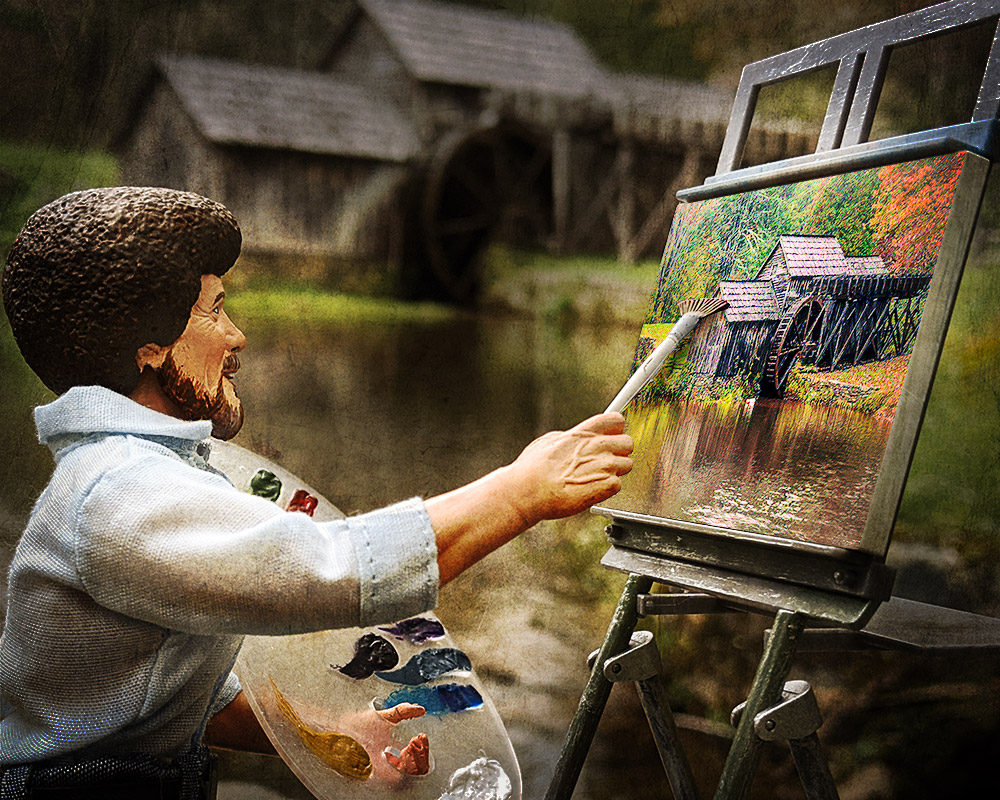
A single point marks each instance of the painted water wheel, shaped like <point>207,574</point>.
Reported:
<point>477,183</point>
<point>794,341</point>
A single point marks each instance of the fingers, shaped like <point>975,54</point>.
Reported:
<point>596,469</point>
<point>621,465</point>
<point>608,489</point>
<point>598,446</point>
<point>620,445</point>
<point>611,424</point>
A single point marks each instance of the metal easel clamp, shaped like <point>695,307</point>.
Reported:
<point>639,663</point>
<point>795,717</point>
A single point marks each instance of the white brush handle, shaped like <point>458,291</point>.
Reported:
<point>654,361</point>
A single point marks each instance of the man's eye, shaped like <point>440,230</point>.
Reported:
<point>217,310</point>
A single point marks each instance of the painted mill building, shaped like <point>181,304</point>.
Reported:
<point>426,131</point>
<point>809,303</point>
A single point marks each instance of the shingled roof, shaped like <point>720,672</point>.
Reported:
<point>749,301</point>
<point>812,255</point>
<point>460,45</point>
<point>819,256</point>
<point>233,103</point>
<point>805,257</point>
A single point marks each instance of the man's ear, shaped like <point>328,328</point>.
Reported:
<point>150,355</point>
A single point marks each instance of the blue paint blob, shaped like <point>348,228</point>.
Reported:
<point>416,630</point>
<point>371,652</point>
<point>428,665</point>
<point>438,700</point>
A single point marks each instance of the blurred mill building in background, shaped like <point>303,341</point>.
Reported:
<point>427,131</point>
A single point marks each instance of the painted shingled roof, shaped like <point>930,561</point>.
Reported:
<point>807,256</point>
<point>456,44</point>
<point>233,103</point>
<point>749,301</point>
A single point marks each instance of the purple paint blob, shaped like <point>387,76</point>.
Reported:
<point>371,653</point>
<point>438,700</point>
<point>428,665</point>
<point>416,630</point>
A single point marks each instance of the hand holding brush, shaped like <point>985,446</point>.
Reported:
<point>692,312</point>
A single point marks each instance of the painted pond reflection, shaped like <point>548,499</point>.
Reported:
<point>774,467</point>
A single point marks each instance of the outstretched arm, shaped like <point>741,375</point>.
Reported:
<point>557,475</point>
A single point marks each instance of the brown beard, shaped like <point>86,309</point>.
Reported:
<point>196,402</point>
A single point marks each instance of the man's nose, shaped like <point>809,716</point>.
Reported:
<point>234,336</point>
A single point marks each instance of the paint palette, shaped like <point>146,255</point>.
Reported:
<point>395,710</point>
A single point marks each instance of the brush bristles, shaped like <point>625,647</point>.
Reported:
<point>702,306</point>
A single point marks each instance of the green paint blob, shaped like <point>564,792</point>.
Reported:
<point>265,484</point>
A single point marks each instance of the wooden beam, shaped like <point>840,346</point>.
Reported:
<point>599,204</point>
<point>658,218</point>
<point>561,175</point>
<point>622,216</point>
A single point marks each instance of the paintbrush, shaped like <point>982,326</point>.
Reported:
<point>692,312</point>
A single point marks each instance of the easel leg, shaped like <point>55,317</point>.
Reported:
<point>664,729</point>
<point>767,684</point>
<point>595,695</point>
<point>813,768</point>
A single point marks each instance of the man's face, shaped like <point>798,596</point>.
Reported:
<point>197,373</point>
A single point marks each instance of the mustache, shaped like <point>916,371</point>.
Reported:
<point>231,363</point>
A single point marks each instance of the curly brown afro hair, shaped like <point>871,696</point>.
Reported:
<point>97,274</point>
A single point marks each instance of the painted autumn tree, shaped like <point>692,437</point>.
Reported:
<point>911,210</point>
<point>898,212</point>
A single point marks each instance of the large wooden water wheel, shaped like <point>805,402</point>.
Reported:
<point>480,183</point>
<point>795,341</point>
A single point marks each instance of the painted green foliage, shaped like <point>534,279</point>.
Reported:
<point>898,212</point>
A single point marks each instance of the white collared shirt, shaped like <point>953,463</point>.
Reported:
<point>139,573</point>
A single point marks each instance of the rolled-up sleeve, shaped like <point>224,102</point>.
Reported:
<point>181,548</point>
<point>397,559</point>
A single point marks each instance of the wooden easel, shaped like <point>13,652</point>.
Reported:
<point>826,599</point>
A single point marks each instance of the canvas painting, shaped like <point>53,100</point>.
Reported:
<point>774,415</point>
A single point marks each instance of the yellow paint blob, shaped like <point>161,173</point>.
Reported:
<point>338,750</point>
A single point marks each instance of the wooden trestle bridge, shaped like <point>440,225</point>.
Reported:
<point>844,322</point>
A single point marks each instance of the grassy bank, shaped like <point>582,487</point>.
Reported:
<point>290,303</point>
<point>568,289</point>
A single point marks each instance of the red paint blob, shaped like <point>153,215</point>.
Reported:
<point>302,501</point>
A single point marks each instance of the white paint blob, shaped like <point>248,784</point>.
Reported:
<point>483,779</point>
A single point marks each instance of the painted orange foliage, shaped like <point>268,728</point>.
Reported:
<point>911,210</point>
